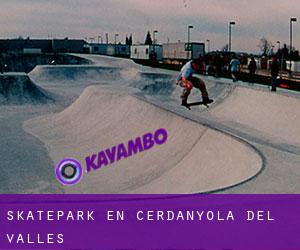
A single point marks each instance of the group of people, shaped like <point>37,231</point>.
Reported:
<point>187,80</point>
<point>252,67</point>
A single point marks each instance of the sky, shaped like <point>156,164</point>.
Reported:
<point>92,18</point>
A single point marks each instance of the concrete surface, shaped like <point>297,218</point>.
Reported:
<point>246,142</point>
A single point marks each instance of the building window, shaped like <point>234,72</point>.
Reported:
<point>147,51</point>
<point>96,49</point>
<point>135,51</point>
<point>123,49</point>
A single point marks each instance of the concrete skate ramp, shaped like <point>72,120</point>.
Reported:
<point>154,83</point>
<point>194,159</point>
<point>17,88</point>
<point>150,83</point>
<point>263,113</point>
<point>74,73</point>
<point>109,61</point>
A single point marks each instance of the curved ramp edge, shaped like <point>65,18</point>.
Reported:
<point>271,115</point>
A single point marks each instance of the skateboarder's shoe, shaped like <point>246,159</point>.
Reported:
<point>184,103</point>
<point>206,100</point>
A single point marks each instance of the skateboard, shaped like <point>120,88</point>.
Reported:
<point>189,105</point>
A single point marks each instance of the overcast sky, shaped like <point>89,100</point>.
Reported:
<point>90,18</point>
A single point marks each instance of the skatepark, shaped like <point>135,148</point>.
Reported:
<point>248,141</point>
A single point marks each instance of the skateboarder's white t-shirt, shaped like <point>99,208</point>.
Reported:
<point>186,71</point>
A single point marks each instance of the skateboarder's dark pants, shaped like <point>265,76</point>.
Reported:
<point>197,83</point>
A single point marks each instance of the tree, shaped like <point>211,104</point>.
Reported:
<point>265,46</point>
<point>148,40</point>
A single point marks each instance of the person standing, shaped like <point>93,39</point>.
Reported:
<point>274,73</point>
<point>252,69</point>
<point>235,68</point>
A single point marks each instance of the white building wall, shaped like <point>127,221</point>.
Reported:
<point>177,51</point>
<point>110,49</point>
<point>174,51</point>
<point>142,52</point>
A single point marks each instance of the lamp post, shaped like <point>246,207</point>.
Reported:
<point>231,23</point>
<point>281,57</point>
<point>154,40</point>
<point>208,45</point>
<point>292,20</point>
<point>106,35</point>
<point>189,40</point>
<point>116,35</point>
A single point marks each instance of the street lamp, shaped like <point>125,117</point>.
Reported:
<point>106,35</point>
<point>229,44</point>
<point>189,38</point>
<point>154,32</point>
<point>208,45</point>
<point>292,20</point>
<point>116,35</point>
<point>281,57</point>
<point>154,42</point>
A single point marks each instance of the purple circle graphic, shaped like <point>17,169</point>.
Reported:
<point>65,179</point>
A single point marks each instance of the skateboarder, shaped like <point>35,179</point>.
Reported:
<point>187,81</point>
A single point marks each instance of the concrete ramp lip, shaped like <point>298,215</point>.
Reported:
<point>17,89</point>
<point>195,158</point>
<point>262,113</point>
<point>74,73</point>
<point>154,83</point>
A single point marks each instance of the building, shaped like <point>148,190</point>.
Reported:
<point>42,45</point>
<point>146,52</point>
<point>178,52</point>
<point>68,45</point>
<point>120,50</point>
